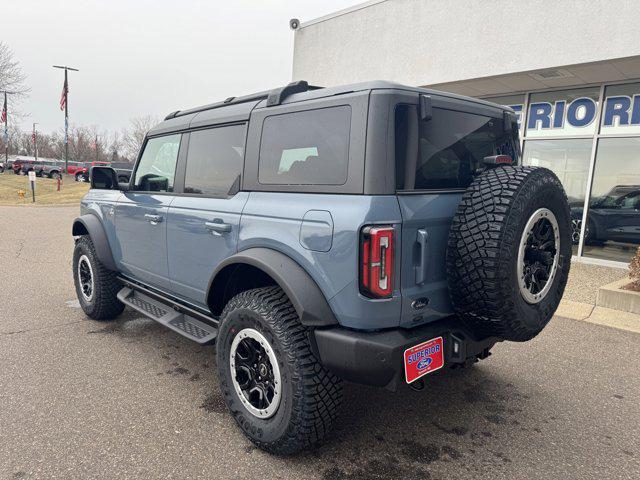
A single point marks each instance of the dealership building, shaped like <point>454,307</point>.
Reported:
<point>569,68</point>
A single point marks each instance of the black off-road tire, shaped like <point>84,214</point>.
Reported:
<point>310,397</point>
<point>104,304</point>
<point>482,251</point>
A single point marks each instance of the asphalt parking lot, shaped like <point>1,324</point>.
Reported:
<point>130,399</point>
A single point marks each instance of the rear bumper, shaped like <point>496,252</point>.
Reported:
<point>377,358</point>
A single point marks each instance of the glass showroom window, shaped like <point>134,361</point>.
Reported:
<point>569,160</point>
<point>563,113</point>
<point>553,118</point>
<point>613,219</point>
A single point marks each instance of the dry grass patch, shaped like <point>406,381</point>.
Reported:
<point>634,273</point>
<point>46,190</point>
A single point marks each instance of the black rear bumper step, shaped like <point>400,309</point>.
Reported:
<point>192,328</point>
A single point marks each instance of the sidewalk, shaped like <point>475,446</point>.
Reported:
<point>581,293</point>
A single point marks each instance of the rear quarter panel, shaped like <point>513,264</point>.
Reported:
<point>275,220</point>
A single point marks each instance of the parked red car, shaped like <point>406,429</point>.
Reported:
<point>80,170</point>
<point>16,166</point>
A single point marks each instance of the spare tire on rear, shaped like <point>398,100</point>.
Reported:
<point>509,252</point>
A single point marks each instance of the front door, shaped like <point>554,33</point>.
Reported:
<point>203,222</point>
<point>141,213</point>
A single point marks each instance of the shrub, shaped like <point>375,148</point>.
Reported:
<point>634,271</point>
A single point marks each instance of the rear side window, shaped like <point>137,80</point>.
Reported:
<point>214,160</point>
<point>306,148</point>
<point>450,147</point>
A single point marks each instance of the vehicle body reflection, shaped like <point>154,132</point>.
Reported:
<point>612,217</point>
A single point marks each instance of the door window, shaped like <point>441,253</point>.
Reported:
<point>157,166</point>
<point>214,160</point>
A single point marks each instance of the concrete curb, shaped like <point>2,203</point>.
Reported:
<point>598,315</point>
<point>612,296</point>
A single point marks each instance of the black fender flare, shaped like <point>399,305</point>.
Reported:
<point>89,224</point>
<point>303,292</point>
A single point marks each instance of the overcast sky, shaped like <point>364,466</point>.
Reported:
<point>141,57</point>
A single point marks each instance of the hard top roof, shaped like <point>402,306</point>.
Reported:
<point>241,107</point>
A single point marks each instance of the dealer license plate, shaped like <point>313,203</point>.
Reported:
<point>422,359</point>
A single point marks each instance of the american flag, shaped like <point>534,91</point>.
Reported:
<point>63,97</point>
<point>3,117</point>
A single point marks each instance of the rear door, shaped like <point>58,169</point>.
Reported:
<point>203,221</point>
<point>436,160</point>
<point>141,213</point>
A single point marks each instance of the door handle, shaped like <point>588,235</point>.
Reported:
<point>153,219</point>
<point>422,238</point>
<point>218,226</point>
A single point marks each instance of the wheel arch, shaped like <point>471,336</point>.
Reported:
<point>257,267</point>
<point>89,224</point>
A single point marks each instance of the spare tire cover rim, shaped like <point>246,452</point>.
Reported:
<point>538,255</point>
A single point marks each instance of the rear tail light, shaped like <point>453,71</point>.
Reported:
<point>377,246</point>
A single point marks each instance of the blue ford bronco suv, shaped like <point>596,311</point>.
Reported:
<point>372,233</point>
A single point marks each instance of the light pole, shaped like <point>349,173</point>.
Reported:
<point>64,104</point>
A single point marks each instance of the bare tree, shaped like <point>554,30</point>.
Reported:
<point>116,149</point>
<point>133,136</point>
<point>12,78</point>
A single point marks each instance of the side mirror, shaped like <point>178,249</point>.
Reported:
<point>105,178</point>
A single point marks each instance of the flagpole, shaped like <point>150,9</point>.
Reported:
<point>66,123</point>
<point>6,132</point>
<point>66,114</point>
<point>5,116</point>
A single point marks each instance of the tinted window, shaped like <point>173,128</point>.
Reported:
<point>450,147</point>
<point>214,160</point>
<point>157,166</point>
<point>306,148</point>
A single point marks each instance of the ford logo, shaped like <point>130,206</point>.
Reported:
<point>419,303</point>
<point>424,363</point>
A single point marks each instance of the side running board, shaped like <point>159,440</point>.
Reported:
<point>162,313</point>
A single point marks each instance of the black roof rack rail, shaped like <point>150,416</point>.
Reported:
<point>229,101</point>
<point>273,97</point>
<point>278,95</point>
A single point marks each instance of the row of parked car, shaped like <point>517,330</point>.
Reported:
<point>46,167</point>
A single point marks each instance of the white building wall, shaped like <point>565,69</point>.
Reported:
<point>426,42</point>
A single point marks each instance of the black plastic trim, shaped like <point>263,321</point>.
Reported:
<point>277,96</point>
<point>93,226</point>
<point>377,358</point>
<point>303,292</point>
